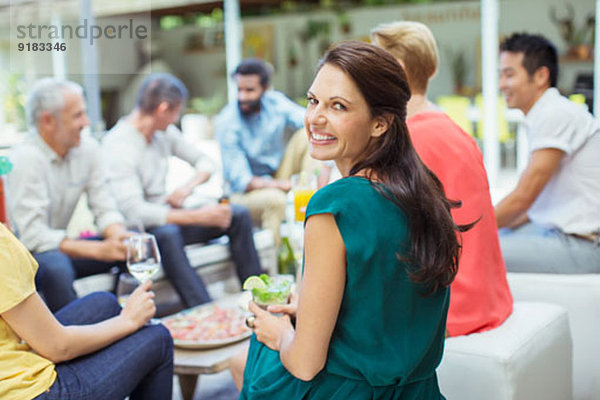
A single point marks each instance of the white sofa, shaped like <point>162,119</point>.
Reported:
<point>528,357</point>
<point>212,262</point>
<point>580,295</point>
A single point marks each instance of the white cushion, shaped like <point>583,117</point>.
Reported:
<point>212,261</point>
<point>202,254</point>
<point>580,295</point>
<point>528,357</point>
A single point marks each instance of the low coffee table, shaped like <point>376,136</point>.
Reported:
<point>189,364</point>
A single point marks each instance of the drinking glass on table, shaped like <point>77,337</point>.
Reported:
<point>143,257</point>
<point>304,185</point>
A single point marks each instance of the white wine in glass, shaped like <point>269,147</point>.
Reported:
<point>143,257</point>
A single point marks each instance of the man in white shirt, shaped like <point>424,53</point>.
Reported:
<point>552,217</point>
<point>137,150</point>
<point>53,167</point>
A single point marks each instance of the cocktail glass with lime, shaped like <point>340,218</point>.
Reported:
<point>269,290</point>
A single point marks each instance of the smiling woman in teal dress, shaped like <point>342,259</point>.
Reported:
<point>381,250</point>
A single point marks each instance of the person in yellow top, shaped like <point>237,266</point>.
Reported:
<point>90,349</point>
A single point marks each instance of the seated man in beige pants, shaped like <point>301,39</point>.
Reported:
<point>259,152</point>
<point>267,205</point>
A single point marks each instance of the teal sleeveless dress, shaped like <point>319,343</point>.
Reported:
<point>388,338</point>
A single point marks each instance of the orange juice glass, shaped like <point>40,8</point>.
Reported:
<point>301,198</point>
<point>304,186</point>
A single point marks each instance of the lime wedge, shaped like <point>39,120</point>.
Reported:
<point>254,282</point>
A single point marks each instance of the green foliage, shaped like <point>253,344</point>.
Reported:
<point>585,34</point>
<point>215,17</point>
<point>316,28</point>
<point>169,22</point>
<point>386,2</point>
<point>459,66</point>
<point>14,101</point>
<point>206,105</point>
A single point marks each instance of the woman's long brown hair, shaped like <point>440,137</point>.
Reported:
<point>434,248</point>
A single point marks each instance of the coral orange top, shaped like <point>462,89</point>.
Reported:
<point>480,298</point>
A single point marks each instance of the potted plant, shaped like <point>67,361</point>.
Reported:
<point>345,23</point>
<point>459,68</point>
<point>579,39</point>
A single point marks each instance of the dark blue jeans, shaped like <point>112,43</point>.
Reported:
<point>139,365</point>
<point>171,240</point>
<point>57,272</point>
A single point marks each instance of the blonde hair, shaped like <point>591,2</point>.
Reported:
<point>413,44</point>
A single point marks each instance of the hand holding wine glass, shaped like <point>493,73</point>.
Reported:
<point>140,307</point>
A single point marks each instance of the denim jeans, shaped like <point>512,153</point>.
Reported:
<point>171,240</point>
<point>537,249</point>
<point>139,365</point>
<point>57,272</point>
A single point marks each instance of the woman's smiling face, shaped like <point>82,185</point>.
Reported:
<point>338,120</point>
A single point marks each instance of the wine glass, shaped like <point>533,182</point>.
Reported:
<point>143,257</point>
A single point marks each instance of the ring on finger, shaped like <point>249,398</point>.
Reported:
<point>250,321</point>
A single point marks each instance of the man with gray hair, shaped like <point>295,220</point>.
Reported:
<point>138,150</point>
<point>53,167</point>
